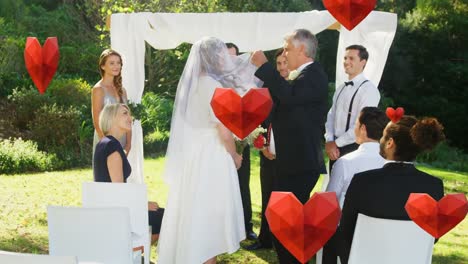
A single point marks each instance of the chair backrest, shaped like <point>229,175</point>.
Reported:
<point>92,234</point>
<point>386,241</point>
<point>24,258</point>
<point>131,195</point>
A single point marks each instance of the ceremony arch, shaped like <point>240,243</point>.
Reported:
<point>250,32</point>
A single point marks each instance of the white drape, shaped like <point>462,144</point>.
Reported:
<point>376,33</point>
<point>250,31</point>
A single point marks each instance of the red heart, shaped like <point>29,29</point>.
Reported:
<point>41,63</point>
<point>349,12</point>
<point>303,229</point>
<point>395,115</point>
<point>437,218</point>
<point>241,115</point>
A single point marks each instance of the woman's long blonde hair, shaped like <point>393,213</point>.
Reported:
<point>117,79</point>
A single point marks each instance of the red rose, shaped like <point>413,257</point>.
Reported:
<point>259,142</point>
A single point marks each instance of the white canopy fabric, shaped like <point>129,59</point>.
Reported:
<point>250,32</point>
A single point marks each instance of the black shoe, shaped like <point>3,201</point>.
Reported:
<point>251,235</point>
<point>257,245</point>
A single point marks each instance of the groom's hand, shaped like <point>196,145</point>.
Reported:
<point>332,150</point>
<point>258,58</point>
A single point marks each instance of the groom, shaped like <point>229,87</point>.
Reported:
<point>298,120</point>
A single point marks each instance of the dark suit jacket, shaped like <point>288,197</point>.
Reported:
<point>382,193</point>
<point>298,118</point>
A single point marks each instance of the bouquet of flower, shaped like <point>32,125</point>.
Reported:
<point>255,138</point>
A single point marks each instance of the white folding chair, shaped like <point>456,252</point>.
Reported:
<point>92,234</point>
<point>386,241</point>
<point>24,258</point>
<point>130,195</point>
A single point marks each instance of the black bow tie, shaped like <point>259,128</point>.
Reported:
<point>349,83</point>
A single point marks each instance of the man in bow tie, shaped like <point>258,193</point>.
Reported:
<point>297,120</point>
<point>348,101</point>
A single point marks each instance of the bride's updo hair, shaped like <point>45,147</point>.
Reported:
<point>413,136</point>
<point>213,55</point>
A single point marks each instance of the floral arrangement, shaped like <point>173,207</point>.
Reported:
<point>255,138</point>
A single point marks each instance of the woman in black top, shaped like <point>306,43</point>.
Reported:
<point>110,161</point>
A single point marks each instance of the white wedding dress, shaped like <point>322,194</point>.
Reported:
<point>203,216</point>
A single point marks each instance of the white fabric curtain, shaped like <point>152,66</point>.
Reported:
<point>250,31</point>
<point>376,33</point>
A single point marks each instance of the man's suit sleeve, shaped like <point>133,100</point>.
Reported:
<point>349,218</point>
<point>308,88</point>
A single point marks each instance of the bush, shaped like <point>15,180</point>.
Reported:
<point>70,92</point>
<point>157,113</point>
<point>26,102</point>
<point>155,144</point>
<point>446,157</point>
<point>17,156</point>
<point>56,126</point>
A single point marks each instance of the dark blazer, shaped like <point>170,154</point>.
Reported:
<point>382,193</point>
<point>298,118</point>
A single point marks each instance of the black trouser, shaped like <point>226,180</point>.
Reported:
<point>343,151</point>
<point>267,179</point>
<point>302,190</point>
<point>330,251</point>
<point>244,180</point>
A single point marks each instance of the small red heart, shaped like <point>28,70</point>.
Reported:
<point>41,62</point>
<point>303,229</point>
<point>349,12</point>
<point>395,115</point>
<point>241,115</point>
<point>437,218</point>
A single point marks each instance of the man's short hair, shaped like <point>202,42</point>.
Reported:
<point>279,52</point>
<point>306,38</point>
<point>230,45</point>
<point>375,121</point>
<point>363,54</point>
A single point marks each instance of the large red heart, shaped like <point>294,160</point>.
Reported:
<point>395,114</point>
<point>303,229</point>
<point>349,12</point>
<point>41,62</point>
<point>437,218</point>
<point>241,115</point>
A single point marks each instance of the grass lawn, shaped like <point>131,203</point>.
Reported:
<point>24,198</point>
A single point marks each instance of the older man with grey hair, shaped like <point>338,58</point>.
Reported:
<point>298,120</point>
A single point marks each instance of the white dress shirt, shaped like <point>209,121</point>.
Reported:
<point>368,95</point>
<point>365,158</point>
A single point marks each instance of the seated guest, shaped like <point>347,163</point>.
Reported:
<point>368,130</point>
<point>110,161</point>
<point>383,193</point>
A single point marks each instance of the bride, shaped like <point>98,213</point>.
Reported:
<point>204,216</point>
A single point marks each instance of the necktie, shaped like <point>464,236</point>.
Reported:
<point>349,83</point>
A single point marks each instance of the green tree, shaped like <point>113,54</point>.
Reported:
<point>427,69</point>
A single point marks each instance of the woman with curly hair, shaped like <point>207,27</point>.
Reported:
<point>383,193</point>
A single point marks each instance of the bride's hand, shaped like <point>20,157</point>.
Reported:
<point>237,160</point>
